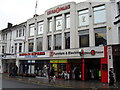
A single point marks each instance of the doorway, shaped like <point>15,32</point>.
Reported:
<point>116,64</point>
<point>92,68</point>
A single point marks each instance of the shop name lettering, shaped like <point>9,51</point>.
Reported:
<point>57,10</point>
<point>66,53</point>
<point>33,54</point>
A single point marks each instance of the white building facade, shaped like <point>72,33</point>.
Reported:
<point>69,36</point>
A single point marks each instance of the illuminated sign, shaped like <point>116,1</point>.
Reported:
<point>57,10</point>
<point>32,53</point>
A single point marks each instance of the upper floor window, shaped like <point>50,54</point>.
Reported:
<point>20,47</point>
<point>31,30</point>
<point>4,37</point>
<point>67,40</point>
<point>50,25</point>
<point>23,32</point>
<point>49,42</point>
<point>16,33</point>
<point>100,36</point>
<point>39,44</point>
<point>30,47</point>
<point>40,27</point>
<point>15,48</point>
<point>57,39</point>
<point>67,21</point>
<point>58,23</point>
<point>3,49</point>
<point>99,14</point>
<point>84,38</point>
<point>83,18</point>
<point>20,33</point>
<point>118,4</point>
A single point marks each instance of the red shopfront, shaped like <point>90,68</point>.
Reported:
<point>94,63</point>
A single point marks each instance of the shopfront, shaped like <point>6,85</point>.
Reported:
<point>94,63</point>
<point>33,63</point>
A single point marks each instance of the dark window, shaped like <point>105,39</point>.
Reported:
<point>67,40</point>
<point>49,42</point>
<point>3,49</point>
<point>100,37</point>
<point>57,42</point>
<point>84,38</point>
<point>15,48</point>
<point>20,47</point>
<point>39,44</point>
<point>30,45</point>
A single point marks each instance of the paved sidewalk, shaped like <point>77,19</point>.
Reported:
<point>62,83</point>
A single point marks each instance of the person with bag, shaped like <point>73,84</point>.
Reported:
<point>52,75</point>
<point>111,77</point>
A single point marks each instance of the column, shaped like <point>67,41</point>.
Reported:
<point>83,69</point>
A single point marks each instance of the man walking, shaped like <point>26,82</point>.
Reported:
<point>52,75</point>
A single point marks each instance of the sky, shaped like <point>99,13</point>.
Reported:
<point>18,11</point>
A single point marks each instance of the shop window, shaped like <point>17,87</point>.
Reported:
<point>31,30</point>
<point>39,44</point>
<point>57,39</point>
<point>84,38</point>
<point>67,40</point>
<point>20,47</point>
<point>100,37</point>
<point>49,42</point>
<point>40,28</point>
<point>30,47</point>
<point>58,23</point>
<point>67,21</point>
<point>99,14</point>
<point>50,25</point>
<point>83,18</point>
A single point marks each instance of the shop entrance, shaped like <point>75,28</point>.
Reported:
<point>92,69</point>
<point>117,68</point>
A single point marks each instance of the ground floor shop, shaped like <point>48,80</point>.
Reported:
<point>79,64</point>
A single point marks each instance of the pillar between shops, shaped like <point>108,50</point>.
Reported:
<point>83,69</point>
<point>104,67</point>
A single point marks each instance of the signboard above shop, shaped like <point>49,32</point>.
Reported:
<point>57,10</point>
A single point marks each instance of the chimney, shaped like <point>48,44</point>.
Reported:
<point>9,25</point>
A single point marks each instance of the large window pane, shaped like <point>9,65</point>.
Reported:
<point>39,44</point>
<point>100,37</point>
<point>67,40</point>
<point>57,41</point>
<point>40,28</point>
<point>84,38</point>
<point>30,47</point>
<point>83,18</point>
<point>31,32</point>
<point>50,25</point>
<point>58,21</point>
<point>99,14</point>
<point>49,42</point>
<point>67,21</point>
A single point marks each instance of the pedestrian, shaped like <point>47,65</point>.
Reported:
<point>52,75</point>
<point>111,77</point>
<point>77,73</point>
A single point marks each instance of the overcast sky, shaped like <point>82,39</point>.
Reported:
<point>18,11</point>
